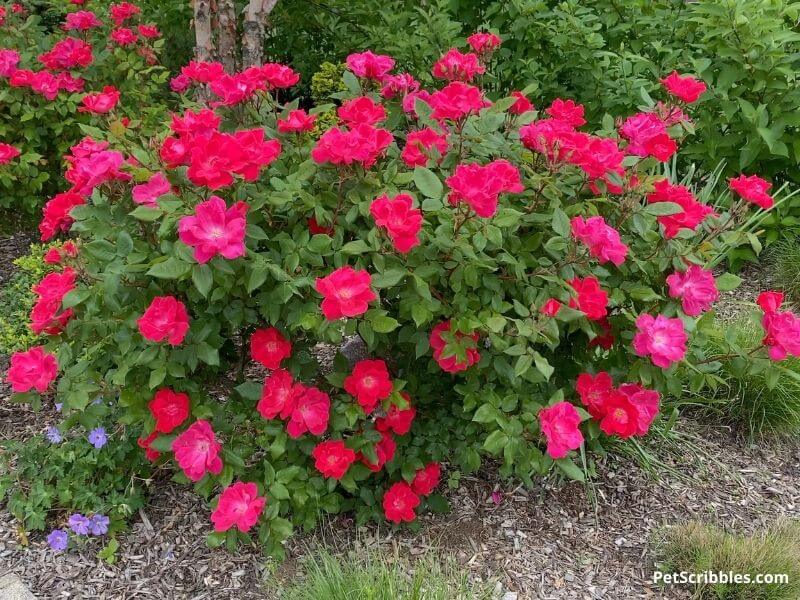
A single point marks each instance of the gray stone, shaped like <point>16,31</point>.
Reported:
<point>12,588</point>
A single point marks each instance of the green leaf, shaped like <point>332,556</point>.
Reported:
<point>257,277</point>
<point>486,413</point>
<point>427,182</point>
<point>728,281</point>
<point>203,278</point>
<point>561,223</point>
<point>145,213</point>
<point>249,390</point>
<point>662,209</point>
<point>496,441</point>
<point>172,268</point>
<point>384,324</point>
<point>570,469</point>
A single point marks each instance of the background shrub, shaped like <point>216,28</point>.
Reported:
<point>17,299</point>
<point>783,263</point>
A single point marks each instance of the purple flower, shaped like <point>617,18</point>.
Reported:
<point>59,406</point>
<point>497,497</point>
<point>58,539</point>
<point>97,437</point>
<point>99,525</point>
<point>79,524</point>
<point>54,435</point>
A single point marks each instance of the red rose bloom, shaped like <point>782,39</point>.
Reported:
<point>551,307</point>
<point>753,189</point>
<point>297,122</point>
<point>594,391</point>
<point>399,503</point>
<point>34,369</point>
<point>369,383</point>
<point>401,220</point>
<point>621,416</point>
<point>384,450</point>
<point>346,293</point>
<point>145,444</point>
<point>333,458</point>
<point>361,110</point>
<point>165,319</point>
<point>310,412</point>
<point>101,102</point>
<point>277,396</point>
<point>426,479</point>
<point>239,505</point>
<point>169,409</point>
<point>397,420</point>
<point>269,347</point>
<point>686,87</point>
<point>591,299</point>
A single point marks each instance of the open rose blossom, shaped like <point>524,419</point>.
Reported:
<point>34,369</point>
<point>169,409</point>
<point>277,396</point>
<point>661,338</point>
<point>446,356</point>
<point>147,194</point>
<point>332,458</point>
<point>238,505</point>
<point>753,189</point>
<point>369,383</point>
<point>695,287</point>
<point>215,229</point>
<point>594,390</point>
<point>165,319</point>
<point>456,66</point>
<point>56,214</point>
<point>591,299</point>
<point>551,308</point>
<point>522,104</point>
<point>363,144</point>
<point>426,479</point>
<point>620,416</point>
<point>567,111</point>
<point>483,43</point>
<point>197,451</point>
<point>9,59</point>
<point>559,424</point>
<point>370,65</point>
<point>423,146</point>
<point>100,103</point>
<point>480,186</point>
<point>399,503</point>
<point>397,420</point>
<point>781,329</point>
<point>298,121</point>
<point>646,403</point>
<point>384,451</point>
<point>693,214</point>
<point>269,347</point>
<point>310,412</point>
<point>346,293</point>
<point>361,110</point>
<point>399,218</point>
<point>455,101</point>
<point>8,153</point>
<point>684,87</point>
<point>603,241</point>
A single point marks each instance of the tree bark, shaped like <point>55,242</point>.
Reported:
<point>226,34</point>
<point>255,19</point>
<point>204,42</point>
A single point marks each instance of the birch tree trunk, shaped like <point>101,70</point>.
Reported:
<point>226,34</point>
<point>255,19</point>
<point>204,43</point>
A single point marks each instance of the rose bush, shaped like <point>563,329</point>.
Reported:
<point>51,83</point>
<point>525,289</point>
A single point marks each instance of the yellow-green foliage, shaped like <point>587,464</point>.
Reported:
<point>327,81</point>
<point>17,299</point>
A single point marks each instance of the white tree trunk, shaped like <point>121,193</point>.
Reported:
<point>204,42</point>
<point>226,34</point>
<point>254,25</point>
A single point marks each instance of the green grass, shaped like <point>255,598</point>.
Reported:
<point>765,402</point>
<point>784,262</point>
<point>374,577</point>
<point>696,547</point>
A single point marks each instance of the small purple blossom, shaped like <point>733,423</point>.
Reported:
<point>497,497</point>
<point>54,435</point>
<point>79,524</point>
<point>59,406</point>
<point>97,437</point>
<point>99,525</point>
<point>58,540</point>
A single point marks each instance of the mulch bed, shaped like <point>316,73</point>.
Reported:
<point>557,541</point>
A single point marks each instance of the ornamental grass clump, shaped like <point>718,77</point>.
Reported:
<point>525,289</point>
